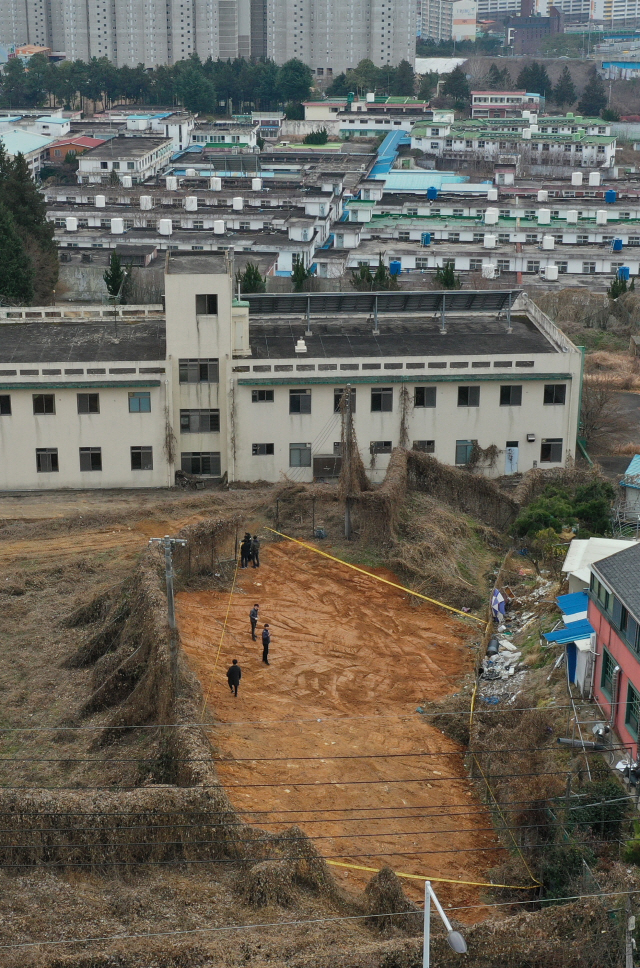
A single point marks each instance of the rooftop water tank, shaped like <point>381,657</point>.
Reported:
<point>371,97</point>
<point>594,177</point>
<point>191,203</point>
<point>623,272</point>
<point>218,227</point>
<point>256,184</point>
<point>610,196</point>
<point>489,271</point>
<point>617,245</point>
<point>491,216</point>
<point>215,183</point>
<point>492,195</point>
<point>117,226</point>
<point>395,267</point>
<point>126,181</point>
<point>237,204</point>
<point>543,195</point>
<point>572,215</point>
<point>426,238</point>
<point>526,134</point>
<point>172,183</point>
<point>146,203</point>
<point>489,242</point>
<point>432,193</point>
<point>601,217</point>
<point>101,201</point>
<point>548,242</point>
<point>552,273</point>
<point>165,226</point>
<point>71,224</point>
<point>191,173</point>
<point>544,216</point>
<point>576,178</point>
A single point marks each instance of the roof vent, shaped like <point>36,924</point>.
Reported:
<point>301,346</point>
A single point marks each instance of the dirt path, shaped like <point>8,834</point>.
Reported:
<point>350,658</point>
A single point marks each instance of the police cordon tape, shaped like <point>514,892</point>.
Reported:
<point>370,574</point>
<point>430,877</point>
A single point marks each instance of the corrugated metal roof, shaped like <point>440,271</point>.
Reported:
<point>574,632</point>
<point>632,474</point>
<point>23,142</point>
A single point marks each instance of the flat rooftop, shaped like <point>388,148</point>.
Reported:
<point>84,342</point>
<point>192,263</point>
<point>125,148</point>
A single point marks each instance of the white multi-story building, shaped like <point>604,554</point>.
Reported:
<point>251,390</point>
<point>448,19</point>
<point>132,158</point>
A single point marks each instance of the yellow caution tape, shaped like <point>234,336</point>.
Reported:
<point>369,574</point>
<point>430,877</point>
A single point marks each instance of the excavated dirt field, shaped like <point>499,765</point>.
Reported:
<point>326,736</point>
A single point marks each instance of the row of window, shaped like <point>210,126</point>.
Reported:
<point>45,403</point>
<point>632,703</point>
<point>382,397</point>
<point>300,454</point>
<point>617,614</point>
<point>91,459</point>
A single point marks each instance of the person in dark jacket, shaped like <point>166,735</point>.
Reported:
<point>234,675</point>
<point>255,551</point>
<point>266,642</point>
<point>245,551</point>
<point>253,618</point>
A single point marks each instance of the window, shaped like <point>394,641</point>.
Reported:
<point>259,450</point>
<point>403,236</point>
<point>140,402</point>
<point>198,371</point>
<point>299,455</point>
<point>468,397</point>
<point>207,305</point>
<point>142,458</point>
<point>44,403</point>
<point>582,239</point>
<point>424,397</point>
<point>382,400</point>
<point>504,238</point>
<point>504,265</point>
<point>475,265</point>
<point>299,401</point>
<point>589,267</point>
<point>464,449</point>
<point>424,446</point>
<point>562,266</point>
<point>88,403</point>
<point>199,421</point>
<point>338,394</point>
<point>551,450</point>
<point>478,237</point>
<point>422,262</point>
<point>632,712</point>
<point>90,458</point>
<point>530,238</point>
<point>511,396</point>
<point>5,405</point>
<point>205,464</point>
<point>454,237</point>
<point>262,396</point>
<point>533,265</point>
<point>555,393</point>
<point>380,447</point>
<point>46,459</point>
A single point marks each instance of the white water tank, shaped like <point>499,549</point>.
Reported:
<point>101,201</point>
<point>237,204</point>
<point>126,181</point>
<point>526,114</point>
<point>543,195</point>
<point>215,184</point>
<point>191,173</point>
<point>548,242</point>
<point>533,127</point>
<point>191,203</point>
<point>576,178</point>
<point>117,226</point>
<point>71,224</point>
<point>371,96</point>
<point>492,194</point>
<point>551,273</point>
<point>594,177</point>
<point>218,227</point>
<point>146,203</point>
<point>172,183</point>
<point>489,242</point>
<point>165,226</point>
<point>526,134</point>
<point>489,271</point>
<point>256,184</point>
<point>491,216</point>
<point>544,216</point>
<point>572,215</point>
<point>601,217</point>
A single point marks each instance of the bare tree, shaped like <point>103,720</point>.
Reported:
<point>604,419</point>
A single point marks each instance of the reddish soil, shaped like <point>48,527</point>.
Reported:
<point>350,659</point>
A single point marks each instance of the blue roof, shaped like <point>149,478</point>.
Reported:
<point>48,120</point>
<point>23,142</point>
<point>575,632</point>
<point>576,602</point>
<point>633,470</point>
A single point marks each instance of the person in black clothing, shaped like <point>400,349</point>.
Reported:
<point>234,675</point>
<point>255,551</point>
<point>266,642</point>
<point>245,551</point>
<point>253,618</point>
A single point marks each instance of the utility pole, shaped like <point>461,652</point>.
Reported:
<point>629,929</point>
<point>169,544</point>
<point>348,443</point>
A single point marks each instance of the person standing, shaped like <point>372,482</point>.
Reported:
<point>234,675</point>
<point>266,642</point>
<point>255,551</point>
<point>245,551</point>
<point>253,617</point>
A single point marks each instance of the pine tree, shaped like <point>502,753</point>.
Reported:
<point>594,97</point>
<point>250,280</point>
<point>447,278</point>
<point>404,81</point>
<point>564,91</point>
<point>16,269</point>
<point>456,85</point>
<point>534,79</point>
<point>299,275</point>
<point>498,80</point>
<point>114,276</point>
<point>362,278</point>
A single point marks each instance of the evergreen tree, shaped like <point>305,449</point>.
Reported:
<point>428,85</point>
<point>317,137</point>
<point>16,269</point>
<point>447,278</point>
<point>564,91</point>
<point>498,80</point>
<point>594,96</point>
<point>338,87</point>
<point>617,287</point>
<point>250,280</point>
<point>195,90</point>
<point>456,85</point>
<point>404,81</point>
<point>361,279</point>
<point>294,111</point>
<point>114,277</point>
<point>294,81</point>
<point>534,79</point>
<point>299,275</point>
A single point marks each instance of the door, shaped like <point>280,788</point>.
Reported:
<point>511,457</point>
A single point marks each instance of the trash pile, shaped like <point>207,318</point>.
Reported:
<point>501,660</point>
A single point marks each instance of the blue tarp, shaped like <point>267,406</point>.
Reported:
<point>573,633</point>
<point>576,602</point>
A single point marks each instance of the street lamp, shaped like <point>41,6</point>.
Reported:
<point>454,938</point>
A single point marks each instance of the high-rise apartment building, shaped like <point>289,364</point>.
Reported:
<point>448,19</point>
<point>328,35</point>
